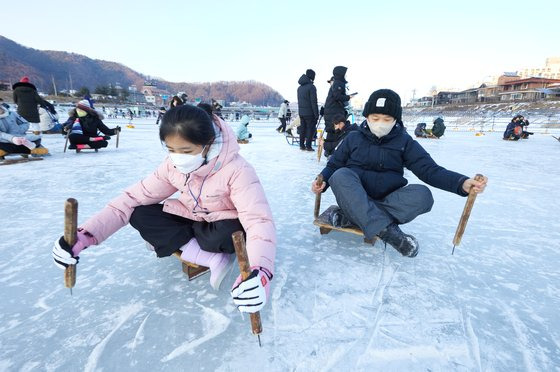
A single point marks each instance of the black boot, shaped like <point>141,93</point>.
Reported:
<point>404,243</point>
<point>337,218</point>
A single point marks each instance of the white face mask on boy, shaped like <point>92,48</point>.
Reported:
<point>380,128</point>
<point>186,163</point>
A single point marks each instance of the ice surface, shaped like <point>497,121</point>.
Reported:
<point>336,303</point>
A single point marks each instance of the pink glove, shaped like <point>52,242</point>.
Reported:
<point>95,139</point>
<point>23,141</point>
<point>84,240</point>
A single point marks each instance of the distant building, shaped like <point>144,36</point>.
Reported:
<point>551,70</point>
<point>154,95</point>
<point>529,89</point>
<point>5,85</point>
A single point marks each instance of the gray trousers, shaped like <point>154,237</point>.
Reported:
<point>372,216</point>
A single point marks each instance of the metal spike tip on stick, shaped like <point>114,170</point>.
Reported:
<point>245,268</point>
<point>466,214</point>
<point>70,230</point>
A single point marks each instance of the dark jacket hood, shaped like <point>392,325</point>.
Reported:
<point>304,79</point>
<point>339,72</point>
<point>22,85</point>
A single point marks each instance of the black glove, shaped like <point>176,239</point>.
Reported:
<point>106,138</point>
<point>117,129</point>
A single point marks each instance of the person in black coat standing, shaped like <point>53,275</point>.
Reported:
<point>366,175</point>
<point>336,101</point>
<point>26,98</point>
<point>308,109</point>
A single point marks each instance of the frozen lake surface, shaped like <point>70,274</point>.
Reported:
<point>336,303</point>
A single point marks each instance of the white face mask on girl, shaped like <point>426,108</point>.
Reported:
<point>186,163</point>
<point>380,128</point>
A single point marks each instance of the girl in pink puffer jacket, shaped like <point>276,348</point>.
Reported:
<point>220,193</point>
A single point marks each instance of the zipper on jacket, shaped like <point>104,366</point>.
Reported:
<point>186,179</point>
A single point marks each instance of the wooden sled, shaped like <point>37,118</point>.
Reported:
<point>24,159</point>
<point>193,271</point>
<point>294,140</point>
<point>322,220</point>
<point>244,141</point>
<point>89,148</point>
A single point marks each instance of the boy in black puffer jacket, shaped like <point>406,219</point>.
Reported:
<point>84,125</point>
<point>366,174</point>
<point>341,129</point>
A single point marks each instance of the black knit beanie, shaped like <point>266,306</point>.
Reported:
<point>310,74</point>
<point>384,101</point>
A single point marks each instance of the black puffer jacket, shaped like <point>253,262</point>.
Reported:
<point>91,125</point>
<point>337,99</point>
<point>26,98</point>
<point>307,97</point>
<point>380,162</point>
<point>331,143</point>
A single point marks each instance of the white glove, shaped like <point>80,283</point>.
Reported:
<point>62,254</point>
<point>251,294</point>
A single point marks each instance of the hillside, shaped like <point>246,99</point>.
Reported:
<point>75,70</point>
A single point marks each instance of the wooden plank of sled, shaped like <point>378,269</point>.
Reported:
<point>19,160</point>
<point>325,227</point>
<point>192,270</point>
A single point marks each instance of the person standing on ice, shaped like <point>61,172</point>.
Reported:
<point>282,112</point>
<point>220,193</point>
<point>27,99</point>
<point>308,109</point>
<point>336,102</point>
<point>366,171</point>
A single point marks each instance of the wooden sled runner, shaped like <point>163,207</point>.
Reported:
<point>192,271</point>
<point>23,159</point>
<point>322,220</point>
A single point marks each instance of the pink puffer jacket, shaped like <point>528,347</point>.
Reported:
<point>228,187</point>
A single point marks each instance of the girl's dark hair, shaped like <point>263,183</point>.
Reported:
<point>206,107</point>
<point>175,99</point>
<point>189,122</point>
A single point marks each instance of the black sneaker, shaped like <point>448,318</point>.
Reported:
<point>338,219</point>
<point>407,245</point>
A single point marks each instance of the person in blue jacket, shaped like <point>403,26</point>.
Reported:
<point>242,132</point>
<point>366,175</point>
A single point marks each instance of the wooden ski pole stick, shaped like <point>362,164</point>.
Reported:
<point>66,143</point>
<point>70,229</point>
<point>245,268</point>
<point>320,147</point>
<point>319,182</point>
<point>466,214</point>
<point>118,134</point>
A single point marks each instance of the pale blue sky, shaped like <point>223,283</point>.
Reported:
<point>403,45</point>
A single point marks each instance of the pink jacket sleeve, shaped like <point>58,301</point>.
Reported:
<point>255,216</point>
<point>151,190</point>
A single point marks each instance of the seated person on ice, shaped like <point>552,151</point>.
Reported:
<point>366,171</point>
<point>439,128</point>
<point>420,131</point>
<point>296,123</point>
<point>341,129</point>
<point>13,139</point>
<point>242,131</point>
<point>524,123</point>
<point>220,193</point>
<point>514,129</point>
<point>84,124</point>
